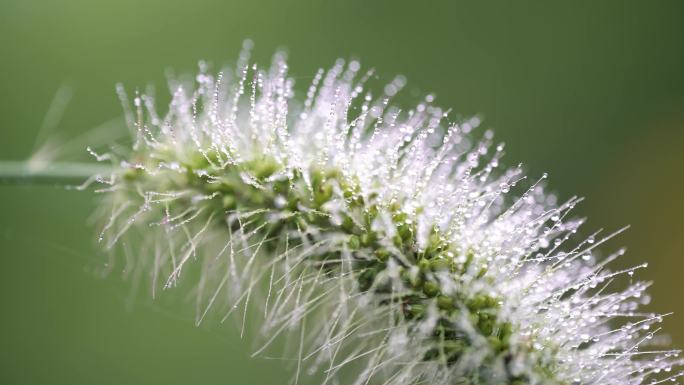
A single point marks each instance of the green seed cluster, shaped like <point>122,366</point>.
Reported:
<point>303,201</point>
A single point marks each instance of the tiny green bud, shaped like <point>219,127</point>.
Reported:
<point>354,243</point>
<point>431,288</point>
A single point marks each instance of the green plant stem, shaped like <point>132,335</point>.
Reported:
<point>63,173</point>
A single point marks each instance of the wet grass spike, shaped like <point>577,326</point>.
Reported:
<point>387,243</point>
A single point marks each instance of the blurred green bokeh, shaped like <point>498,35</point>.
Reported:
<point>591,92</point>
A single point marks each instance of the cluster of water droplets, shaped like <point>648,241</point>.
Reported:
<point>569,313</point>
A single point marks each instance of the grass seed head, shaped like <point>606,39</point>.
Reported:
<point>387,242</point>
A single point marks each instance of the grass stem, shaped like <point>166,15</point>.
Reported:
<point>64,173</point>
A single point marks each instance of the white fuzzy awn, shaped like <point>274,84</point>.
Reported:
<point>386,243</point>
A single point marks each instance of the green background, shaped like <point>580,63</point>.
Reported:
<point>590,91</point>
